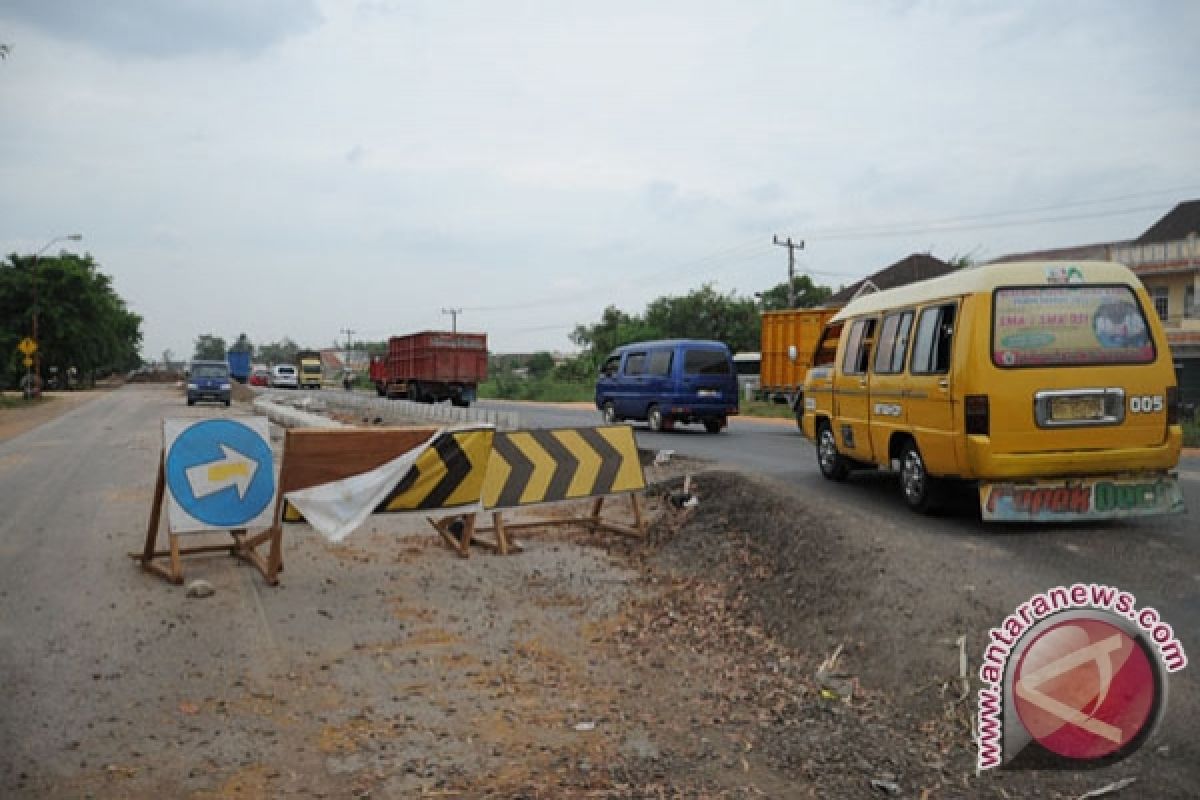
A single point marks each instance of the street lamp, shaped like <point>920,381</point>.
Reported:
<point>30,388</point>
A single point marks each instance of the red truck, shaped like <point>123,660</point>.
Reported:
<point>432,366</point>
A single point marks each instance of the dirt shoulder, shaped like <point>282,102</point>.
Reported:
<point>17,419</point>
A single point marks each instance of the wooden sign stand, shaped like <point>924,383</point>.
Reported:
<point>243,546</point>
<point>467,534</point>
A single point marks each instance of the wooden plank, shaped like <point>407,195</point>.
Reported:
<point>501,535</point>
<point>312,457</point>
<point>176,564</point>
<point>160,486</point>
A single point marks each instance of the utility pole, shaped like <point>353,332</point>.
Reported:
<point>349,333</point>
<point>453,312</point>
<point>792,248</point>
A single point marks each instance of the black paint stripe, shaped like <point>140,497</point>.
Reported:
<point>458,467</point>
<point>565,464</point>
<point>400,488</point>
<point>521,470</point>
<point>610,460</point>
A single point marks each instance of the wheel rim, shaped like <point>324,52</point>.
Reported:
<point>912,475</point>
<point>655,419</point>
<point>828,451</point>
<point>610,414</point>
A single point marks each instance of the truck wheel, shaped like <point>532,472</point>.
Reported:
<point>191,402</point>
<point>714,425</point>
<point>832,463</point>
<point>609,411</point>
<point>382,392</point>
<point>919,488</point>
<point>654,419</point>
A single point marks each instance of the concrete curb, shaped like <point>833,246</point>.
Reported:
<point>391,412</point>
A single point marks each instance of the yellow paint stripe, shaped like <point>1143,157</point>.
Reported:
<point>222,472</point>
<point>493,483</point>
<point>429,465</point>
<point>584,480</point>
<point>629,476</point>
<point>476,445</point>
<point>543,467</point>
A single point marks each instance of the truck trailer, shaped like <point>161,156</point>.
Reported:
<point>432,366</point>
<point>309,363</point>
<point>789,338</point>
<point>239,364</point>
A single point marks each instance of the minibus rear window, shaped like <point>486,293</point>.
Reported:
<point>706,362</point>
<point>1061,326</point>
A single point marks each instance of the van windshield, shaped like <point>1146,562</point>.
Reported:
<point>210,371</point>
<point>1052,326</point>
<point>706,362</point>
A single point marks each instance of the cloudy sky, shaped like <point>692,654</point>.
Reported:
<point>298,167</point>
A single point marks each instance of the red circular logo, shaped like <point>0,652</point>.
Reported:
<point>1084,688</point>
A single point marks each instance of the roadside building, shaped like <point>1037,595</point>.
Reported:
<point>912,268</point>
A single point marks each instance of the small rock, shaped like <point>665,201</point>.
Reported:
<point>200,588</point>
<point>887,787</point>
<point>585,726</point>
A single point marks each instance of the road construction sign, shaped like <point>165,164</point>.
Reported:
<point>27,346</point>
<point>544,466</point>
<point>219,474</point>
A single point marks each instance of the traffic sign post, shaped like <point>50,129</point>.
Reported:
<point>214,475</point>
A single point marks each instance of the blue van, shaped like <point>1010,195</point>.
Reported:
<point>669,381</point>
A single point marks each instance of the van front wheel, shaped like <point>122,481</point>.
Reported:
<point>832,463</point>
<point>920,490</point>
<point>610,413</point>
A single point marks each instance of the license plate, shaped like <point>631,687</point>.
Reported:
<point>709,393</point>
<point>1077,408</point>
<point>1082,498</point>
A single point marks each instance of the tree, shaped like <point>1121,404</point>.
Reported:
<point>243,345</point>
<point>282,352</point>
<point>209,348</point>
<point>540,364</point>
<point>808,294</point>
<point>82,322</point>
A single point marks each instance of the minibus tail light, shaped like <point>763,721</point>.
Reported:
<point>976,411</point>
<point>1172,405</point>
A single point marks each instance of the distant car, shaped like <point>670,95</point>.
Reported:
<point>260,377</point>
<point>283,376</point>
<point>208,380</point>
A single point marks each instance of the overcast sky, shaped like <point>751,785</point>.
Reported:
<point>294,168</point>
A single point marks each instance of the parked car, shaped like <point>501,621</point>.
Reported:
<point>208,380</point>
<point>668,382</point>
<point>260,377</point>
<point>283,376</point>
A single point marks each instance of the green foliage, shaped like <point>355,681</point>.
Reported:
<point>282,352</point>
<point>508,386</point>
<point>243,345</point>
<point>209,348</point>
<point>808,295</point>
<point>82,322</point>
<point>1191,434</point>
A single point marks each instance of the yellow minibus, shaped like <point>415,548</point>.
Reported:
<point>1048,384</point>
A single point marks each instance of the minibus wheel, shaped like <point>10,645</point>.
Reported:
<point>610,413</point>
<point>654,419</point>
<point>919,488</point>
<point>832,463</point>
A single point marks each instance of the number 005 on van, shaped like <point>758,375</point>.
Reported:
<point>1049,385</point>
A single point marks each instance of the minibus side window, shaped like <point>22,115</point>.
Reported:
<point>858,347</point>
<point>893,343</point>
<point>660,363</point>
<point>635,364</point>
<point>826,353</point>
<point>611,364</point>
<point>935,336</point>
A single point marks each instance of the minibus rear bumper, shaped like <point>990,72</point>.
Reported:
<point>984,464</point>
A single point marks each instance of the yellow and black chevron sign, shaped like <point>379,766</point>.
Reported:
<point>448,474</point>
<point>542,466</point>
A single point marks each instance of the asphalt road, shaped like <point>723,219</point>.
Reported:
<point>1157,558</point>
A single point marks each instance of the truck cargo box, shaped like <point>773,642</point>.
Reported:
<point>432,366</point>
<point>788,333</point>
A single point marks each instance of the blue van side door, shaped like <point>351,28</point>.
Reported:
<point>659,381</point>
<point>630,390</point>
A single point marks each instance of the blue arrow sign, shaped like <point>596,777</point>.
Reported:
<point>220,472</point>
